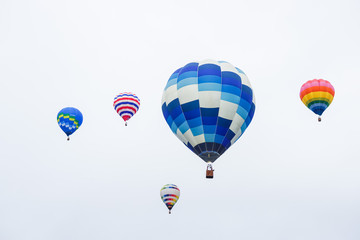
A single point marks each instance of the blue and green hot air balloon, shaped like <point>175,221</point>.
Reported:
<point>69,120</point>
<point>208,105</point>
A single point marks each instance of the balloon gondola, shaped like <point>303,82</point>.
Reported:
<point>209,171</point>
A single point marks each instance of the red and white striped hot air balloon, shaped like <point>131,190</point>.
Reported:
<point>126,104</point>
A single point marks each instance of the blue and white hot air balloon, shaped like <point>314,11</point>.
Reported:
<point>208,105</point>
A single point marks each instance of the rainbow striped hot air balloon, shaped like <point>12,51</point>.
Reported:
<point>317,95</point>
<point>169,194</point>
<point>126,105</point>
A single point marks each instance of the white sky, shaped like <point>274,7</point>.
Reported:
<point>288,177</point>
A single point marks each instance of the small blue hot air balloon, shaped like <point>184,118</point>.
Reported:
<point>69,120</point>
<point>208,105</point>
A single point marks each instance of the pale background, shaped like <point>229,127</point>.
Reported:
<point>287,178</point>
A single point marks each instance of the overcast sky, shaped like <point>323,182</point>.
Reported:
<point>288,177</point>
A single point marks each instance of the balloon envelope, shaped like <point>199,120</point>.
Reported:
<point>317,95</point>
<point>126,105</point>
<point>170,194</point>
<point>69,120</point>
<point>208,105</point>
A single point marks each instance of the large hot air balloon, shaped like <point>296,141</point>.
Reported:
<point>208,105</point>
<point>169,194</point>
<point>317,95</point>
<point>69,120</point>
<point>126,105</point>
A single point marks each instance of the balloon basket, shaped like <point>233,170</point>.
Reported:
<point>209,171</point>
<point>319,119</point>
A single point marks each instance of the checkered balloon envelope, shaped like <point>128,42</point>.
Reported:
<point>208,105</point>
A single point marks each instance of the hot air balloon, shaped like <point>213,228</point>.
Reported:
<point>69,120</point>
<point>126,105</point>
<point>169,194</point>
<point>317,95</point>
<point>208,105</point>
